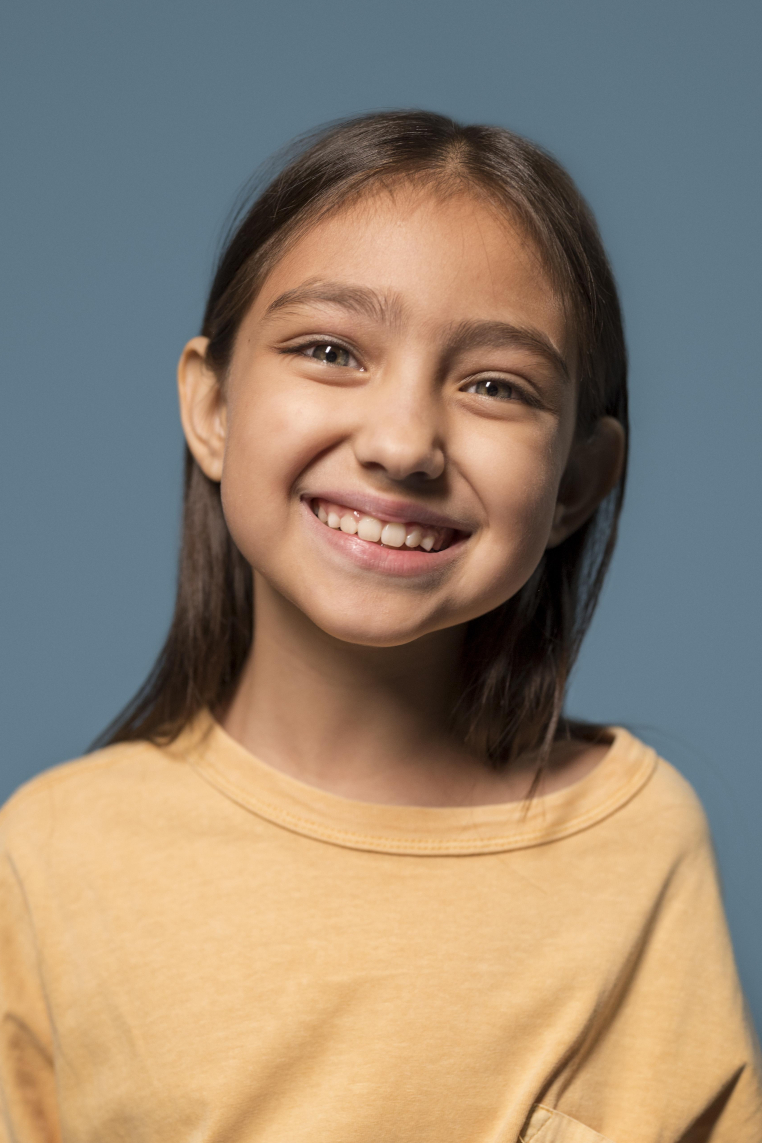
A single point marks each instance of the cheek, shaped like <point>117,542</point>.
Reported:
<point>273,433</point>
<point>519,482</point>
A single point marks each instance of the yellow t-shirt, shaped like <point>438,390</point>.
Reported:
<point>196,948</point>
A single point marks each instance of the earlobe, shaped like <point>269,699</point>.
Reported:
<point>594,468</point>
<point>202,408</point>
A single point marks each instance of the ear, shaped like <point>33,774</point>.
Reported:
<point>202,408</point>
<point>594,467</point>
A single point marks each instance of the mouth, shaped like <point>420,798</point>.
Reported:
<point>408,535</point>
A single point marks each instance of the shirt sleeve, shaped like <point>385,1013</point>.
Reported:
<point>677,1059</point>
<point>714,1053</point>
<point>28,1104</point>
<point>714,1041</point>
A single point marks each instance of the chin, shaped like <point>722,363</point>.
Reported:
<point>378,631</point>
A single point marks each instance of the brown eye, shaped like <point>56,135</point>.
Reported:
<point>331,354</point>
<point>491,387</point>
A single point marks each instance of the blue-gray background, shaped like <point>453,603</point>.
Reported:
<point>128,130</point>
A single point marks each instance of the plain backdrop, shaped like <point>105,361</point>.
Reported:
<point>128,131</point>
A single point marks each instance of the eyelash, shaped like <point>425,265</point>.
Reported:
<point>296,350</point>
<point>518,393</point>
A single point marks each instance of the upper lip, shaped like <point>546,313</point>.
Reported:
<point>395,511</point>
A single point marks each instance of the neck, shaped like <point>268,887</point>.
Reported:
<point>365,722</point>
<point>370,723</point>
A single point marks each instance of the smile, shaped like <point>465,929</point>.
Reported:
<point>388,533</point>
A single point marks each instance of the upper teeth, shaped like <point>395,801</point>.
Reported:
<point>391,534</point>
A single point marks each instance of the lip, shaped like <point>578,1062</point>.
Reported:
<point>378,557</point>
<point>388,510</point>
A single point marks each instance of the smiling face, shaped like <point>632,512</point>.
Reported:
<point>397,418</point>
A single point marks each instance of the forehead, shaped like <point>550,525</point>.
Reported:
<point>435,259</point>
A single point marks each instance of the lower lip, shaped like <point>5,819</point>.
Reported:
<point>377,557</point>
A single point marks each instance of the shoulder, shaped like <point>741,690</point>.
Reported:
<point>666,810</point>
<point>90,773</point>
<point>673,798</point>
<point>80,796</point>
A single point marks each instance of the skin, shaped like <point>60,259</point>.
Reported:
<point>353,666</point>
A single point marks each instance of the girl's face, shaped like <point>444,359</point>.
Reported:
<point>397,418</point>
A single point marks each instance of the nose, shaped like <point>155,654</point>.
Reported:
<point>401,432</point>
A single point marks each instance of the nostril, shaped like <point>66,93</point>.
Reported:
<point>401,463</point>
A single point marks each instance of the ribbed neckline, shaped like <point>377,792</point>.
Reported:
<point>415,830</point>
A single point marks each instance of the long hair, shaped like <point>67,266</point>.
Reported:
<point>517,658</point>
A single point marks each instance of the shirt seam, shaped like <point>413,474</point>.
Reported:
<point>273,813</point>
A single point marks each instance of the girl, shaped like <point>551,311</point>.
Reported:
<point>343,872</point>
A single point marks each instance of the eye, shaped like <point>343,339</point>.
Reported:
<point>330,354</point>
<point>492,387</point>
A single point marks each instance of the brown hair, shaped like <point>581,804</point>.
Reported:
<point>516,658</point>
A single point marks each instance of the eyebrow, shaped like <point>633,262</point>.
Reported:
<point>499,334</point>
<point>388,310</point>
<point>358,299</point>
